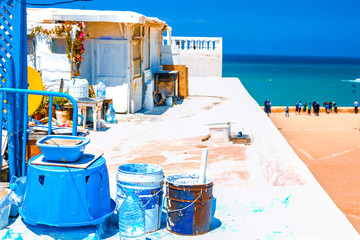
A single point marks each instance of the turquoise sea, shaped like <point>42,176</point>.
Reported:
<point>286,80</point>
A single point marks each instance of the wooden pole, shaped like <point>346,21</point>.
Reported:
<point>72,61</point>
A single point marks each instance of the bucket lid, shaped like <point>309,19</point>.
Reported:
<point>140,172</point>
<point>187,179</point>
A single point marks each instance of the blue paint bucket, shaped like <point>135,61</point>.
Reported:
<point>188,204</point>
<point>147,182</point>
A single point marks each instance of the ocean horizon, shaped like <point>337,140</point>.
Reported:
<point>285,80</point>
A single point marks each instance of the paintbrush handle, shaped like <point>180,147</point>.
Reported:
<point>202,178</point>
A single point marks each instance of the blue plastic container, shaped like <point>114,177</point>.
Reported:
<point>132,218</point>
<point>101,89</point>
<point>60,153</point>
<point>110,115</point>
<point>67,197</point>
<point>188,204</point>
<point>147,182</point>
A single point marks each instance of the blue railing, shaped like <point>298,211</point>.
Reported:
<point>9,100</point>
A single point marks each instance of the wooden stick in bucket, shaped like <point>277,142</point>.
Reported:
<point>202,178</point>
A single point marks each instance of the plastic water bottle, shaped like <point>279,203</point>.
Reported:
<point>101,89</point>
<point>18,186</point>
<point>132,218</point>
<point>110,114</point>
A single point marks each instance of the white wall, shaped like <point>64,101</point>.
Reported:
<point>52,66</point>
<point>203,56</point>
<point>86,69</point>
<point>154,50</point>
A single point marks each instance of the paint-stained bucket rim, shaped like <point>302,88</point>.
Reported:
<point>140,173</point>
<point>184,234</point>
<point>175,180</point>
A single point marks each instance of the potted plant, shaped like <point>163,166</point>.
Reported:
<point>62,115</point>
<point>46,107</point>
<point>40,112</point>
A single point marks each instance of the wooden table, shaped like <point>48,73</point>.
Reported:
<point>96,104</point>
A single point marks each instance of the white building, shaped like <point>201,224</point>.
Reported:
<point>202,55</point>
<point>122,48</point>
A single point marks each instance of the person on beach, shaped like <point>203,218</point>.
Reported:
<point>313,104</point>
<point>299,107</point>
<point>269,106</point>
<point>265,106</point>
<point>330,106</point>
<point>305,106</point>
<point>317,108</point>
<point>327,108</point>
<point>287,111</point>
<point>356,106</point>
<point>335,107</point>
<point>309,108</point>
<point>324,105</point>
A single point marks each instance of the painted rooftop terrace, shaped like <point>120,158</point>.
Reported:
<point>261,191</point>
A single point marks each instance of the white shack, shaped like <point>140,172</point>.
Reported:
<point>122,48</point>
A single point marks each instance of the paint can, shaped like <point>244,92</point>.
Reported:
<point>169,101</point>
<point>147,182</point>
<point>188,204</point>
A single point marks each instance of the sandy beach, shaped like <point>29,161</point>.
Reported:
<point>329,146</point>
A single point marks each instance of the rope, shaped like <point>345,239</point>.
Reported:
<point>14,133</point>
<point>153,196</point>
<point>177,210</point>
<point>147,201</point>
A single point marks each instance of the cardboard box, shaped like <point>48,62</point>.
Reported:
<point>220,131</point>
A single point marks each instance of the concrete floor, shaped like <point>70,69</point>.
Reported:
<point>261,191</point>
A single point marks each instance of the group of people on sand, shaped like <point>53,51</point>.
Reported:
<point>329,107</point>
<point>267,106</point>
<point>306,108</point>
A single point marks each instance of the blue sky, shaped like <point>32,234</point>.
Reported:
<point>280,27</point>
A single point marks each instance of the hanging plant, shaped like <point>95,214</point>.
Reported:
<point>78,47</point>
<point>75,48</point>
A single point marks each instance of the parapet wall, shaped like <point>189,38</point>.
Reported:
<point>311,214</point>
<point>203,56</point>
<point>272,153</point>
